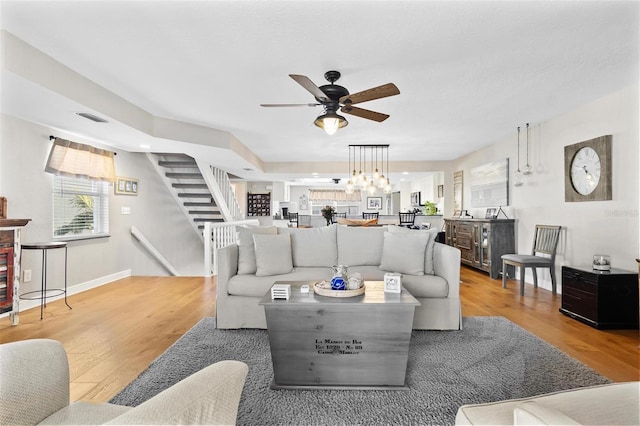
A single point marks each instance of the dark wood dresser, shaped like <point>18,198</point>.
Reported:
<point>601,299</point>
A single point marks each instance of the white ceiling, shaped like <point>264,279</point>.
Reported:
<point>469,72</point>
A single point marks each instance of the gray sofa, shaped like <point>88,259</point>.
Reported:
<point>371,251</point>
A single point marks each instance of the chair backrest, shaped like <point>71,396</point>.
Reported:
<point>546,240</point>
<point>334,218</point>
<point>366,215</point>
<point>293,218</point>
<point>407,218</point>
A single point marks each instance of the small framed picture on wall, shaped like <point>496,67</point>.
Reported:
<point>126,186</point>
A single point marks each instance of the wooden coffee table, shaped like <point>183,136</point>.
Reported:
<point>359,342</point>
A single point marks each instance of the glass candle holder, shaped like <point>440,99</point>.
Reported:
<point>601,262</point>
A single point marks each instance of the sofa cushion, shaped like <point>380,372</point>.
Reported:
<point>404,253</point>
<point>368,272</point>
<point>428,255</point>
<point>273,254</point>
<point>359,245</point>
<point>254,286</point>
<point>313,247</point>
<point>246,250</point>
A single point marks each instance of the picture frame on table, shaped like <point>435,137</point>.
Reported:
<point>457,213</point>
<point>374,203</point>
<point>392,283</point>
<point>491,213</point>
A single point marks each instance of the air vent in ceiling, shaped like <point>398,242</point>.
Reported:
<point>92,117</point>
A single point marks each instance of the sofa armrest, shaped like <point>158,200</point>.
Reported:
<point>532,413</point>
<point>34,381</point>
<point>446,264</point>
<point>227,268</point>
<point>207,397</point>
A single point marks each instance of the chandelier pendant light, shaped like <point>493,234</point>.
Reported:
<point>377,180</point>
<point>527,169</point>
<point>517,175</point>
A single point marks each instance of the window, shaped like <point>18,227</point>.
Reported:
<point>80,208</point>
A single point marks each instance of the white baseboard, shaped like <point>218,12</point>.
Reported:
<point>78,288</point>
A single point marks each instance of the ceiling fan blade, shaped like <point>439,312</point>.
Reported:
<point>306,82</point>
<point>364,113</point>
<point>383,91</point>
<point>287,105</point>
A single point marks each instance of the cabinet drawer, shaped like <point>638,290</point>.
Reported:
<point>464,228</point>
<point>466,255</point>
<point>582,306</point>
<point>464,242</point>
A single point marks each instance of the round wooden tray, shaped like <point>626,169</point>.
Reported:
<point>337,293</point>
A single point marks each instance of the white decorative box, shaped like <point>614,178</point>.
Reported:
<point>281,291</point>
<point>392,283</point>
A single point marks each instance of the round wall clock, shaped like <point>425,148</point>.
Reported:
<point>588,170</point>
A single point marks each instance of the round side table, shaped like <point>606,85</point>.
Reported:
<point>44,292</point>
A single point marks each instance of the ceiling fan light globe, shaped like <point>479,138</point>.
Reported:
<point>330,122</point>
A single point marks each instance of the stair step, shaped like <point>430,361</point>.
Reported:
<point>201,219</point>
<point>177,164</point>
<point>204,212</point>
<point>190,185</point>
<point>184,175</point>
<point>194,195</point>
<point>197,204</point>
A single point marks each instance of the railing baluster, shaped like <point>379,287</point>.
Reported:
<point>216,236</point>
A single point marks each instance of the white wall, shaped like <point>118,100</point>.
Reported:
<point>24,148</point>
<point>605,227</point>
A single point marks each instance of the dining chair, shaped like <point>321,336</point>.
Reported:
<point>545,242</point>
<point>407,219</point>
<point>366,215</point>
<point>293,219</point>
<point>334,218</point>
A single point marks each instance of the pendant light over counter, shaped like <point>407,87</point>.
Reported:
<point>361,156</point>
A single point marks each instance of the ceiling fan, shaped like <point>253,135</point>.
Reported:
<point>333,97</point>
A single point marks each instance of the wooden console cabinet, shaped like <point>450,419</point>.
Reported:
<point>482,242</point>
<point>601,299</point>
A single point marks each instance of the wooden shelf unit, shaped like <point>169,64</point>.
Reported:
<point>259,204</point>
<point>482,242</point>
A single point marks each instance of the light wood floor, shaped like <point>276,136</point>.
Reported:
<point>115,331</point>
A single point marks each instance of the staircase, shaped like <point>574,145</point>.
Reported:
<point>184,178</point>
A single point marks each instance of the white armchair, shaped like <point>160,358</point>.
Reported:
<point>35,390</point>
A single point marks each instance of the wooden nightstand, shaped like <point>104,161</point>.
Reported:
<point>601,299</point>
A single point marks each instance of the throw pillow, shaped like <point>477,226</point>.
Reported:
<point>313,247</point>
<point>428,255</point>
<point>246,250</point>
<point>404,253</point>
<point>273,254</point>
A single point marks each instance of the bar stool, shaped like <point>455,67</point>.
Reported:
<point>45,293</point>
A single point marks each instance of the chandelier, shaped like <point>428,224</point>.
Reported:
<point>370,176</point>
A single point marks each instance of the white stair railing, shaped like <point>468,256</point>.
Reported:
<point>218,235</point>
<point>220,187</point>
<point>228,193</point>
<point>152,250</point>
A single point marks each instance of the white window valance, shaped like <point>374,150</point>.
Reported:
<point>333,195</point>
<point>82,161</point>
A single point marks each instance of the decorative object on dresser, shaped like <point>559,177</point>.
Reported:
<point>3,208</point>
<point>259,204</point>
<point>601,299</point>
<point>482,242</point>
<point>545,242</point>
<point>587,170</point>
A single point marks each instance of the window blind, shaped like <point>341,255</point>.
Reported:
<point>80,208</point>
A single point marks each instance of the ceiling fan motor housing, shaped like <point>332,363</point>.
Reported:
<point>333,91</point>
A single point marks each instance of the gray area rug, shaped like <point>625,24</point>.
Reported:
<point>490,359</point>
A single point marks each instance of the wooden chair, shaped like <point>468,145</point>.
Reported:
<point>293,219</point>
<point>366,215</point>
<point>334,218</point>
<point>407,219</point>
<point>545,242</point>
